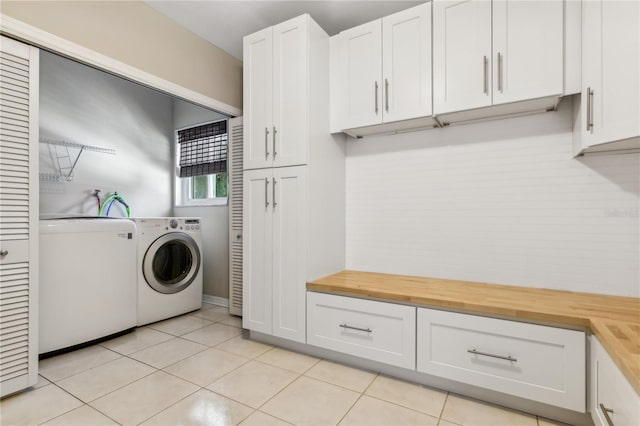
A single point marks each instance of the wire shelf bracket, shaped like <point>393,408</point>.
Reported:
<point>66,162</point>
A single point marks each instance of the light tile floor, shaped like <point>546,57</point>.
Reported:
<point>201,369</point>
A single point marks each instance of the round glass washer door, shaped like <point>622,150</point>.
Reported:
<point>171,263</point>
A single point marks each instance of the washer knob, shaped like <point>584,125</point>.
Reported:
<point>173,223</point>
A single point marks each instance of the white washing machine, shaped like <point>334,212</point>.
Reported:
<point>169,267</point>
<point>88,280</point>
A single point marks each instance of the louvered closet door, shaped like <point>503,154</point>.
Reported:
<point>18,215</point>
<point>235,215</point>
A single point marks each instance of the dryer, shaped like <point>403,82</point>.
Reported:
<point>169,267</point>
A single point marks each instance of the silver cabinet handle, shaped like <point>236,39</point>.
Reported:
<point>486,75</point>
<point>3,253</point>
<point>589,109</point>
<point>266,193</point>
<point>605,413</point>
<point>476,352</point>
<point>376,94</point>
<point>273,193</point>
<point>500,72</point>
<point>366,330</point>
<point>274,142</point>
<point>266,143</point>
<point>386,95</point>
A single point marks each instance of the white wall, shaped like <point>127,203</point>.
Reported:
<point>498,202</point>
<point>82,105</point>
<point>215,219</point>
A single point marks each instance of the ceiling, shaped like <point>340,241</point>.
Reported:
<point>225,23</point>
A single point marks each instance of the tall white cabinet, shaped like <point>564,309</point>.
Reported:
<point>496,52</point>
<point>610,99</point>
<point>293,179</point>
<point>19,68</point>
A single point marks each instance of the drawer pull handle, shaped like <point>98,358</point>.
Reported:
<point>366,330</point>
<point>508,358</point>
<point>606,412</point>
<point>3,253</point>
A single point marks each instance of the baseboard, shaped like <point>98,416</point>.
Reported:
<point>215,300</point>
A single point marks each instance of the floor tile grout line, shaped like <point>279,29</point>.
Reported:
<point>208,384</point>
<point>169,406</point>
<point>339,385</point>
<point>79,372</point>
<point>114,390</point>
<point>278,393</point>
<point>444,404</point>
<point>351,407</point>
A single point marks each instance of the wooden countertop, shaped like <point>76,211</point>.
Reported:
<point>614,320</point>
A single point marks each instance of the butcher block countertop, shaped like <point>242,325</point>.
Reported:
<point>614,320</point>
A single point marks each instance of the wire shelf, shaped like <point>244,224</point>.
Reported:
<point>66,163</point>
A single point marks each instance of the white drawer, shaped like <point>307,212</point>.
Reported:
<point>539,363</point>
<point>610,388</point>
<point>379,331</point>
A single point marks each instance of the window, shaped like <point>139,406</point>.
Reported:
<point>202,164</point>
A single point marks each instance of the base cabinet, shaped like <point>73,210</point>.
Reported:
<point>379,331</point>
<point>612,399</point>
<point>275,204</point>
<point>544,364</point>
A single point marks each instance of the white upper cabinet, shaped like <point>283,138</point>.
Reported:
<point>386,69</point>
<point>275,95</point>
<point>610,100</point>
<point>290,94</point>
<point>461,55</point>
<point>258,98</point>
<point>527,49</point>
<point>496,52</point>
<point>406,64</point>
<point>361,51</point>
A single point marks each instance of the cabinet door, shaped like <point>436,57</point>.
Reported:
<point>527,49</point>
<point>610,70</point>
<point>461,55</point>
<point>19,71</point>
<point>289,136</point>
<point>258,240</point>
<point>289,252</point>
<point>361,56</point>
<point>258,99</point>
<point>611,393</point>
<point>406,64</point>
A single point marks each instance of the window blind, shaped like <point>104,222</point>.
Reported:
<point>203,149</point>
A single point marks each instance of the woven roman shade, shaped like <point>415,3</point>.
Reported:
<point>203,149</point>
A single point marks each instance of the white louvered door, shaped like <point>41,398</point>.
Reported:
<point>236,141</point>
<point>19,67</point>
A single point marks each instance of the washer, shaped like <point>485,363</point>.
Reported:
<point>88,281</point>
<point>169,267</point>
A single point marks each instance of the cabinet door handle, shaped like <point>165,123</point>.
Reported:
<point>266,143</point>
<point>500,87</point>
<point>375,87</point>
<point>3,253</point>
<point>273,194</point>
<point>486,75</point>
<point>386,95</point>
<point>274,142</point>
<point>345,326</point>
<point>589,109</point>
<point>508,357</point>
<point>605,413</point>
<point>266,193</point>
